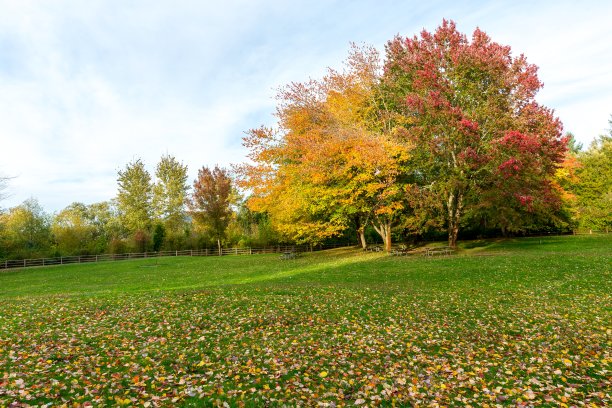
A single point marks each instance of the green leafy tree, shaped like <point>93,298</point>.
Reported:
<point>255,227</point>
<point>73,230</point>
<point>104,217</point>
<point>134,203</point>
<point>27,231</point>
<point>134,198</point>
<point>573,145</point>
<point>86,229</point>
<point>210,204</point>
<point>594,186</point>
<point>159,233</point>
<point>170,194</point>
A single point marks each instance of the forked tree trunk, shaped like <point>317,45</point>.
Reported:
<point>455,206</point>
<point>384,230</point>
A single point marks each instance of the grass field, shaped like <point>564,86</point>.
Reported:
<point>510,322</point>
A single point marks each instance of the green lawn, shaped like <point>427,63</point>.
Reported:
<point>509,322</point>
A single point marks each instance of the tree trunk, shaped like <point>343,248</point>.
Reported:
<point>219,246</point>
<point>388,240</point>
<point>384,230</point>
<point>360,228</point>
<point>455,205</point>
<point>362,238</point>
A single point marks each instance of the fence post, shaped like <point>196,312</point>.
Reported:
<point>191,252</point>
<point>24,263</point>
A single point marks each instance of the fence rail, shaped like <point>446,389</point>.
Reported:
<point>64,260</point>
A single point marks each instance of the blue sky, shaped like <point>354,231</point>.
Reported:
<point>87,86</point>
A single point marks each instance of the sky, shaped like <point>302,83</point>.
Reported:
<point>88,86</point>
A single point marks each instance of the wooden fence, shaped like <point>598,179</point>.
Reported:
<point>64,260</point>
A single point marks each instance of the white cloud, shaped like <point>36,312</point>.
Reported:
<point>85,87</point>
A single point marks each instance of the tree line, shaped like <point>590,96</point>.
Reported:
<point>168,215</point>
<point>149,213</point>
<point>443,137</point>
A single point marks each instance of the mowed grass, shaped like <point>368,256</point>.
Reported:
<point>508,322</point>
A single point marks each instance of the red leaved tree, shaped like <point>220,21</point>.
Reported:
<point>211,200</point>
<point>482,141</point>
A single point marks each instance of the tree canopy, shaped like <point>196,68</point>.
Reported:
<point>594,185</point>
<point>449,127</point>
<point>484,145</point>
<point>211,200</point>
<point>27,232</point>
<point>333,162</point>
<point>134,197</point>
<point>170,193</point>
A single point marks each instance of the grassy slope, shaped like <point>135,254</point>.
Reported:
<point>531,324</point>
<point>512,262</point>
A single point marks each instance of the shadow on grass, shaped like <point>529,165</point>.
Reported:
<point>341,258</point>
<point>480,243</point>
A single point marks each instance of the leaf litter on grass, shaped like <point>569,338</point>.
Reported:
<point>315,346</point>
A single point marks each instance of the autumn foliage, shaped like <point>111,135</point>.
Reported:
<point>328,165</point>
<point>445,127</point>
<point>211,199</point>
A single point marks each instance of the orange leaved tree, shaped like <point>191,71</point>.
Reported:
<point>334,159</point>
